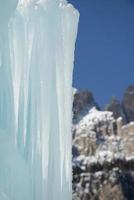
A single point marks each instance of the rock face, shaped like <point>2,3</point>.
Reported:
<point>128,103</point>
<point>83,102</point>
<point>116,107</point>
<point>105,185</point>
<point>103,164</point>
<point>124,109</point>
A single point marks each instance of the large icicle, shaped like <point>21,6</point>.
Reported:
<point>36,63</point>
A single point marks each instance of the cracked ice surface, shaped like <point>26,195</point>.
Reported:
<point>37,41</point>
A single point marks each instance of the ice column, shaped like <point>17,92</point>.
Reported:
<point>36,62</point>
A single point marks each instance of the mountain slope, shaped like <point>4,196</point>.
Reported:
<point>103,150</point>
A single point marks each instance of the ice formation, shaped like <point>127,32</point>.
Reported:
<point>37,40</point>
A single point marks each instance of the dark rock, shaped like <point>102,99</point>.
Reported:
<point>127,183</point>
<point>83,102</point>
<point>128,103</point>
<point>117,109</point>
<point>75,151</point>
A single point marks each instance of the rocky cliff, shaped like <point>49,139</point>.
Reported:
<point>103,148</point>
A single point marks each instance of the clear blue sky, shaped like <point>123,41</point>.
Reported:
<point>104,60</point>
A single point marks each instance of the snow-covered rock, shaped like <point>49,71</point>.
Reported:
<point>105,151</point>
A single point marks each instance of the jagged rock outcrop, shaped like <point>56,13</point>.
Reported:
<point>128,103</point>
<point>105,185</point>
<point>116,107</point>
<point>103,164</point>
<point>83,102</point>
<point>99,137</point>
<point>124,109</point>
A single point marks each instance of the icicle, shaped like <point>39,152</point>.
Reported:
<point>36,100</point>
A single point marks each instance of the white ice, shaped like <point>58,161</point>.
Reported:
<point>37,41</point>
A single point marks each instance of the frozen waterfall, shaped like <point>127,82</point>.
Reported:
<point>37,41</point>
